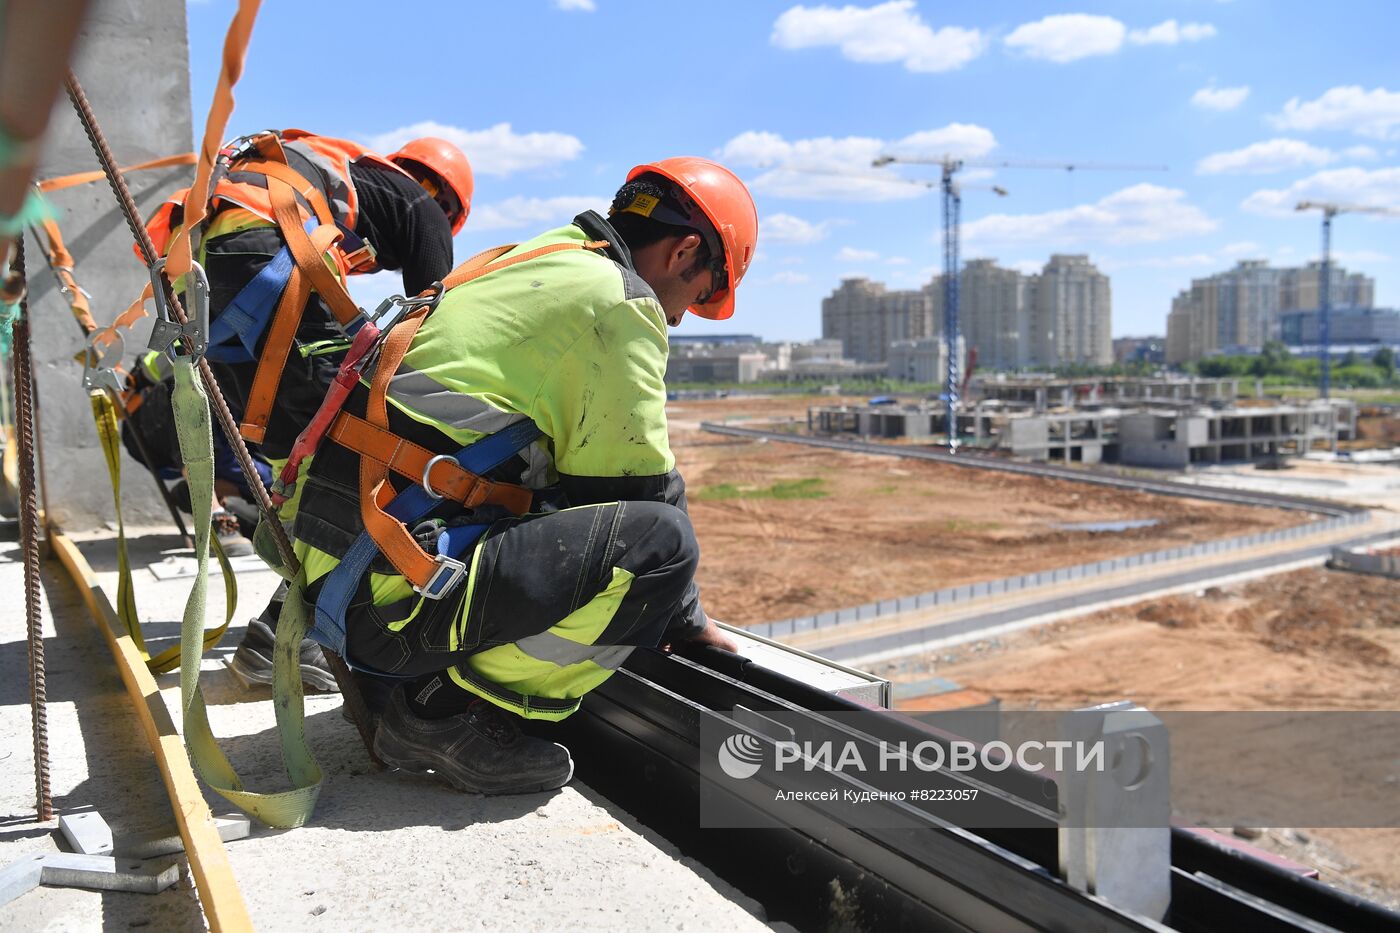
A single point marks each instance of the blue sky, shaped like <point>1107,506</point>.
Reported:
<point>1251,104</point>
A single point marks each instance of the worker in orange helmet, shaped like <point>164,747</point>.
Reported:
<point>444,172</point>
<point>398,212</point>
<point>577,549</point>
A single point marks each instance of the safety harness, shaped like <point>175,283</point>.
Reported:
<point>391,519</point>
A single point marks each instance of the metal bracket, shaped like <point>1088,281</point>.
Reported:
<point>95,872</point>
<point>101,863</point>
<point>1115,825</point>
<point>98,373</point>
<point>194,335</point>
<point>88,833</point>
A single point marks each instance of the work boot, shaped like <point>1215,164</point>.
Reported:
<point>252,661</point>
<point>375,691</point>
<point>225,526</point>
<point>481,751</point>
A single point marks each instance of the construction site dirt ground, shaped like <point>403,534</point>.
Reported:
<point>787,530</point>
<point>1306,640</point>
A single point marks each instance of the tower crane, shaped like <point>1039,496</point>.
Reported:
<point>952,235</point>
<point>1324,284</point>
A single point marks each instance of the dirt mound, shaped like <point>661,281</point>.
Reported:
<point>1310,612</point>
<point>1383,429</point>
<point>1177,612</point>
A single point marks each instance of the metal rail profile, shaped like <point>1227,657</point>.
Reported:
<point>1165,487</point>
<point>637,740</point>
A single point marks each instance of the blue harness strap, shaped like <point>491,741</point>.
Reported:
<point>409,507</point>
<point>234,334</point>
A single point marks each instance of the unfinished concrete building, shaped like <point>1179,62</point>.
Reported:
<point>1178,439</point>
<point>1167,435</point>
<point>1044,393</point>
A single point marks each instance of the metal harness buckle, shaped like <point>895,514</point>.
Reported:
<point>428,468</point>
<point>97,374</point>
<point>193,335</point>
<point>449,571</point>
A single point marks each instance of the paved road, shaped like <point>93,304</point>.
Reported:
<point>914,639</point>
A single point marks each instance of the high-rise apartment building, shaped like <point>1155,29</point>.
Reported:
<point>995,311</point>
<point>1073,313</point>
<point>1015,321</point>
<point>1238,310</point>
<point>865,316</point>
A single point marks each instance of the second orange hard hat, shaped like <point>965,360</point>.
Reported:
<point>446,161</point>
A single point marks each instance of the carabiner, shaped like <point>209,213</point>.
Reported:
<point>194,334</point>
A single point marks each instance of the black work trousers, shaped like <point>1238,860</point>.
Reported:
<point>552,605</point>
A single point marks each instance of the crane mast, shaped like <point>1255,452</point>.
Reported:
<point>952,235</point>
<point>1324,285</point>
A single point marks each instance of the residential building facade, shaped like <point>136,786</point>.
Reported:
<point>1241,309</point>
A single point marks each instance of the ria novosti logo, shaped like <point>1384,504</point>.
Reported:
<point>740,756</point>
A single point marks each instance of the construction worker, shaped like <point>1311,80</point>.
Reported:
<point>549,603</point>
<point>396,213</point>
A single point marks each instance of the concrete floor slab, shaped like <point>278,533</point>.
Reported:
<point>384,851</point>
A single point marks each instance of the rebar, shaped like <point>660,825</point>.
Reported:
<point>29,539</point>
<point>148,253</point>
<point>349,690</point>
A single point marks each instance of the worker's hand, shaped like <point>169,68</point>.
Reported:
<point>712,634</point>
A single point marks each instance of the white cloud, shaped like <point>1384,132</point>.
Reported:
<point>838,168</point>
<point>889,32</point>
<point>1241,248</point>
<point>1374,113</point>
<point>785,228</point>
<point>1359,256</point>
<point>851,254</point>
<point>517,212</point>
<point>1374,188</point>
<point>1187,261</point>
<point>1274,155</point>
<point>788,277</point>
<point>897,261</point>
<point>1143,213</point>
<point>1220,98</point>
<point>1170,33</point>
<point>1067,37</point>
<point>498,150</point>
<point>1361,153</point>
<point>582,6</point>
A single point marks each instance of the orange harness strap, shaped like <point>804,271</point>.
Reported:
<point>83,178</point>
<point>280,337</point>
<point>406,458</point>
<point>394,539</point>
<point>61,262</point>
<point>380,450</point>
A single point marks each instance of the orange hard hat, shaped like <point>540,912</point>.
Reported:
<point>448,163</point>
<point>728,206</point>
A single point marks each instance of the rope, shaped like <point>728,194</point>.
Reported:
<point>29,533</point>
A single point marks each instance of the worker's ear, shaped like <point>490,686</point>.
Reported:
<point>681,256</point>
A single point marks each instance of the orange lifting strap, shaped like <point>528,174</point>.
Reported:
<point>381,450</point>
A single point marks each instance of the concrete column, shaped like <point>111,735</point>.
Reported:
<point>133,63</point>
